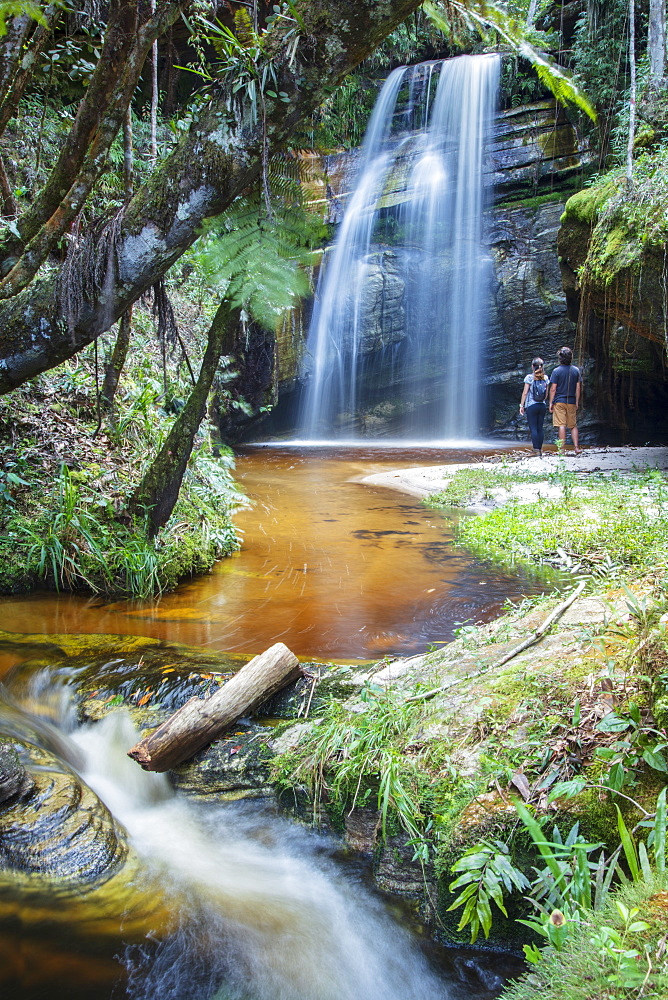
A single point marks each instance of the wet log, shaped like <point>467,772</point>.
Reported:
<point>200,721</point>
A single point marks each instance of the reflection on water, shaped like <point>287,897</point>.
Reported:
<point>331,567</point>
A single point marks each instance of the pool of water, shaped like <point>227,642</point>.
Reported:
<point>252,906</point>
<point>332,567</point>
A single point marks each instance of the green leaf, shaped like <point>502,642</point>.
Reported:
<point>567,789</point>
<point>654,758</point>
<point>644,860</point>
<point>538,837</point>
<point>659,845</point>
<point>628,847</point>
<point>613,723</point>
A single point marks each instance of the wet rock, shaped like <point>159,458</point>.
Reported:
<point>14,779</point>
<point>234,767</point>
<point>58,826</point>
<point>362,826</point>
<point>397,871</point>
<point>528,314</point>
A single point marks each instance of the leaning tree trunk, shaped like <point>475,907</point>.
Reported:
<point>159,489</point>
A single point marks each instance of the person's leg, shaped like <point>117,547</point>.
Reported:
<point>532,420</point>
<point>575,434</point>
<point>540,430</point>
<point>562,434</point>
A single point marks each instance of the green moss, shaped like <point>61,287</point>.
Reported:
<point>586,205</point>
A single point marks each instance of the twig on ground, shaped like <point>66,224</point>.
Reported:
<point>536,637</point>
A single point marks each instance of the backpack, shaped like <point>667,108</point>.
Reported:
<point>538,390</point>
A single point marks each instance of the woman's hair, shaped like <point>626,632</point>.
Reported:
<point>537,363</point>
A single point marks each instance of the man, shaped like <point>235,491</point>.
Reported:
<point>565,395</point>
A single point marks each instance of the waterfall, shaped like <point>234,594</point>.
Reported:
<point>397,334</point>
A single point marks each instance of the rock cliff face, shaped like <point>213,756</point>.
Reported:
<point>528,314</point>
<point>535,159</point>
<point>615,277</point>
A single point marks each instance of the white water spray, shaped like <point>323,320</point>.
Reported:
<point>264,912</point>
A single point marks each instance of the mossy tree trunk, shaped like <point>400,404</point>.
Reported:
<point>159,489</point>
<point>83,156</point>
<point>215,162</point>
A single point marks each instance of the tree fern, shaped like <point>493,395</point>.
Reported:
<point>450,15</point>
<point>258,261</point>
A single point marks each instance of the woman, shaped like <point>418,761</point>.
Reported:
<point>534,403</point>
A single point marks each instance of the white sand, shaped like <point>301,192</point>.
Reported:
<point>423,481</point>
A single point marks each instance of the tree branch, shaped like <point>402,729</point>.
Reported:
<point>20,65</point>
<point>217,160</point>
<point>84,154</point>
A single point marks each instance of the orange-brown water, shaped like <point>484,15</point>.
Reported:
<point>332,567</point>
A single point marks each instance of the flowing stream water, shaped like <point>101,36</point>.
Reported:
<point>246,905</point>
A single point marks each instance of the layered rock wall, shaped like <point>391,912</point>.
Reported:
<point>536,157</point>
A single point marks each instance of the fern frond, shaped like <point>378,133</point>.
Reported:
<point>484,16</point>
<point>557,79</point>
<point>258,262</point>
<point>243,28</point>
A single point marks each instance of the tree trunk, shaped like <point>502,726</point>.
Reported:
<point>115,365</point>
<point>9,207</point>
<point>632,97</point>
<point>656,42</point>
<point>119,355</point>
<point>154,97</point>
<point>19,56</point>
<point>159,489</point>
<point>11,48</point>
<point>216,161</point>
<point>201,721</point>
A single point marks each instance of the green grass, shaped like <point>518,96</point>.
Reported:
<point>360,757</point>
<point>619,521</point>
<point>474,485</point>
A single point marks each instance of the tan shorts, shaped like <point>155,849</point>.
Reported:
<point>563,415</point>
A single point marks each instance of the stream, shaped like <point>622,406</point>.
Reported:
<point>231,901</point>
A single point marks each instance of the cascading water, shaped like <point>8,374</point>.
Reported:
<point>256,907</point>
<point>400,309</point>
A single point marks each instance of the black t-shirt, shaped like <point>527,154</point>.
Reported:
<point>566,378</point>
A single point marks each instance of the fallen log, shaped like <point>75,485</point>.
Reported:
<point>201,721</point>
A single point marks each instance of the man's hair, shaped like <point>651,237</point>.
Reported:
<point>565,355</point>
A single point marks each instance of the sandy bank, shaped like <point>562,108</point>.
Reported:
<point>425,480</point>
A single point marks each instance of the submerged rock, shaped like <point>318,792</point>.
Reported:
<point>53,824</point>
